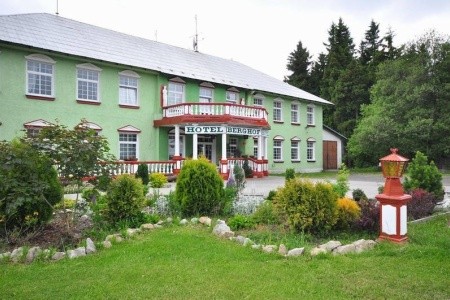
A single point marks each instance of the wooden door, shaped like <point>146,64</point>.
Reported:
<point>330,155</point>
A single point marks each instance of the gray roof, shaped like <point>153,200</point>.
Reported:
<point>55,33</point>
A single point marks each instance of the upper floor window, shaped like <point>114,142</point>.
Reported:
<point>258,100</point>
<point>295,116</point>
<point>206,95</point>
<point>310,115</point>
<point>232,95</point>
<point>128,88</point>
<point>88,82</point>
<point>277,111</point>
<point>40,75</point>
<point>175,93</point>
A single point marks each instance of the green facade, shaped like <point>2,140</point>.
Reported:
<point>16,109</point>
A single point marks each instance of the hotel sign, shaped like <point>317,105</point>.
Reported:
<point>200,129</point>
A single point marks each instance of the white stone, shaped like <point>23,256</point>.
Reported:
<point>296,252</point>
<point>32,253</point>
<point>350,248</point>
<point>157,226</point>
<point>257,247</point>
<point>160,222</point>
<point>205,221</point>
<point>169,220</point>
<point>132,231</point>
<point>282,250</point>
<point>316,251</point>
<point>222,230</point>
<point>183,222</point>
<point>107,244</point>
<point>269,248</point>
<point>90,246</point>
<point>58,256</point>
<point>5,255</point>
<point>240,239</point>
<point>363,245</point>
<point>17,254</point>
<point>248,242</point>
<point>330,246</point>
<point>194,220</point>
<point>147,226</point>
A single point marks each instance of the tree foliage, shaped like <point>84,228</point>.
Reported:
<point>299,62</point>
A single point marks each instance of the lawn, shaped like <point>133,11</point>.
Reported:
<point>191,263</point>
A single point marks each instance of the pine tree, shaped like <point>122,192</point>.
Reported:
<point>299,63</point>
<point>316,75</point>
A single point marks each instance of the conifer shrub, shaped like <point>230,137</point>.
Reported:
<point>421,205</point>
<point>307,207</point>
<point>29,188</point>
<point>142,173</point>
<point>424,175</point>
<point>247,170</point>
<point>358,195</point>
<point>125,199</point>
<point>157,180</point>
<point>290,174</point>
<point>200,189</point>
<point>348,212</point>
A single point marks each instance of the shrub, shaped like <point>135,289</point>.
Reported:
<point>424,175</point>
<point>246,205</point>
<point>239,222</point>
<point>199,189</point>
<point>247,170</point>
<point>239,178</point>
<point>103,182</point>
<point>125,199</point>
<point>29,188</point>
<point>142,173</point>
<point>307,207</point>
<point>370,216</point>
<point>422,204</point>
<point>290,174</point>
<point>265,214</point>
<point>271,195</point>
<point>348,212</point>
<point>358,195</point>
<point>157,180</point>
<point>341,186</point>
<point>66,203</point>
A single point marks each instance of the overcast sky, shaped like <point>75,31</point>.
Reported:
<point>258,33</point>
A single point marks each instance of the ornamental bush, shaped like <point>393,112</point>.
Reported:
<point>290,174</point>
<point>307,207</point>
<point>341,186</point>
<point>29,188</point>
<point>422,204</point>
<point>424,175</point>
<point>348,212</point>
<point>239,222</point>
<point>125,199</point>
<point>265,214</point>
<point>199,189</point>
<point>157,180</point>
<point>370,216</point>
<point>142,173</point>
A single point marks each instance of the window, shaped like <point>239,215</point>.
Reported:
<point>128,88</point>
<point>40,75</point>
<point>258,100</point>
<point>310,115</point>
<point>278,148</point>
<point>206,95</point>
<point>88,82</point>
<point>232,147</point>
<point>34,127</point>
<point>310,150</point>
<point>232,97</point>
<point>175,94</point>
<point>277,111</point>
<point>255,147</point>
<point>128,143</point>
<point>295,150</point>
<point>295,119</point>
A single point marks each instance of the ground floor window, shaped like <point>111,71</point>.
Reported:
<point>310,150</point>
<point>128,146</point>
<point>277,150</point>
<point>172,145</point>
<point>255,147</point>
<point>295,150</point>
<point>232,147</point>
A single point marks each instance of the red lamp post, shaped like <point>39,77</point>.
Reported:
<point>393,200</point>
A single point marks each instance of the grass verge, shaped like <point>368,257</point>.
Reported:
<point>190,263</point>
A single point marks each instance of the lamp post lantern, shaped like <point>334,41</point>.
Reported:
<point>393,200</point>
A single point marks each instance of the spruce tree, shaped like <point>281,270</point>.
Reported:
<point>298,64</point>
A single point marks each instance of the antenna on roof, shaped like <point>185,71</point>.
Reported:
<point>196,36</point>
<point>57,8</point>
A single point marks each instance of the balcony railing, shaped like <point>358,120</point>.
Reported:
<point>215,109</point>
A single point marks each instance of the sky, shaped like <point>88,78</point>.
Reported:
<point>257,33</point>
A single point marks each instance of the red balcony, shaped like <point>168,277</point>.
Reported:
<point>220,113</point>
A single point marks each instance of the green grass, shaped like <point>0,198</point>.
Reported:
<point>190,263</point>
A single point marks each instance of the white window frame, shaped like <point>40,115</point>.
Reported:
<point>311,149</point>
<point>206,93</point>
<point>91,70</point>
<point>128,81</point>
<point>127,142</point>
<point>172,94</point>
<point>310,120</point>
<point>295,149</point>
<point>295,113</point>
<point>232,147</point>
<point>255,147</point>
<point>40,60</point>
<point>258,100</point>
<point>278,145</point>
<point>278,110</point>
<point>34,127</point>
<point>232,97</point>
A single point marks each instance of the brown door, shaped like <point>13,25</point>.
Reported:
<point>330,155</point>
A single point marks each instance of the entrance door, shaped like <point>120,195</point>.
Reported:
<point>330,155</point>
<point>206,147</point>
